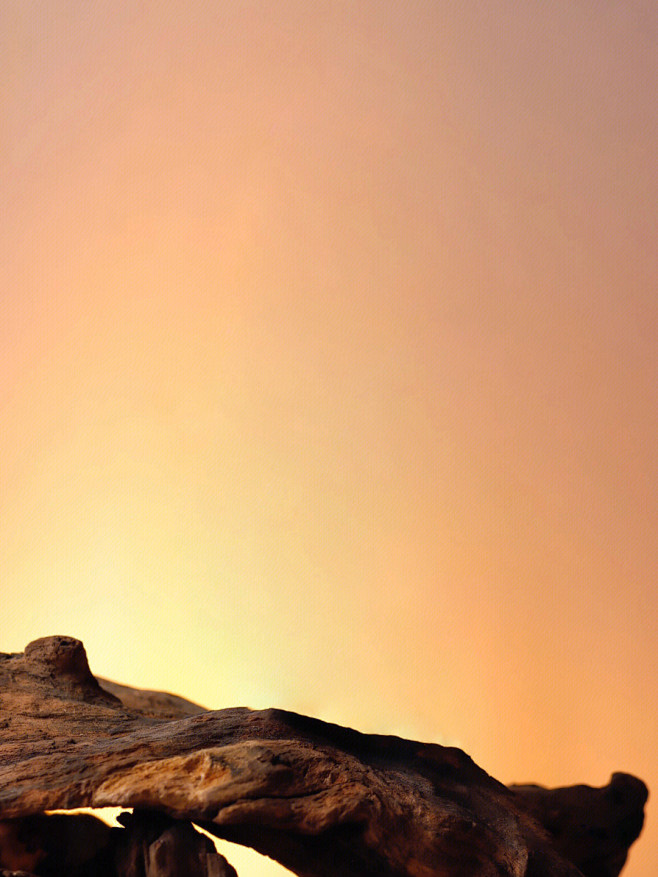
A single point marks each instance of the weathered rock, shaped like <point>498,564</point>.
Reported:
<point>54,844</point>
<point>593,828</point>
<point>321,799</point>
<point>152,704</point>
<point>156,846</point>
<point>149,845</point>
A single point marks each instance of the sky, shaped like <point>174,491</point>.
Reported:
<point>328,364</point>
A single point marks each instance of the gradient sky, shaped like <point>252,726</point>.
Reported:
<point>328,336</point>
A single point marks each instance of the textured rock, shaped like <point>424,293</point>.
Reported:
<point>150,845</point>
<point>321,799</point>
<point>53,844</point>
<point>156,846</point>
<point>152,704</point>
<point>591,827</point>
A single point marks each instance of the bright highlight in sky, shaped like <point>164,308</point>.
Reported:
<point>328,375</point>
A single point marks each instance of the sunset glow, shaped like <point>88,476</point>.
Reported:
<point>329,375</point>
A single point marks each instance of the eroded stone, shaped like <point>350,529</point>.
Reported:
<point>321,799</point>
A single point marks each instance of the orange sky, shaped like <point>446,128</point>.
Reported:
<point>328,338</point>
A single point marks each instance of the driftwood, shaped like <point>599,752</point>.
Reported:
<point>323,800</point>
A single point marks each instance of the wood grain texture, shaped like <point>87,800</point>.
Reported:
<point>319,798</point>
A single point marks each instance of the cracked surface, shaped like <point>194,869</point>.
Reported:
<point>319,798</point>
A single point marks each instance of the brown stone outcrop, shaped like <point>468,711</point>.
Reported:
<point>321,799</point>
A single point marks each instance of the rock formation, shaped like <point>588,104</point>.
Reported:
<point>323,800</point>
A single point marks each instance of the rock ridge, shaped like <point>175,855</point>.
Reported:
<point>321,799</point>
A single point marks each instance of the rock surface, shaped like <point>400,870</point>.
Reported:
<point>591,827</point>
<point>321,799</point>
<point>150,845</point>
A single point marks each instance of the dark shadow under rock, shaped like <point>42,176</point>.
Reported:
<point>149,844</point>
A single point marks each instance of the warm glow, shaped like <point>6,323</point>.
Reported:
<point>329,364</point>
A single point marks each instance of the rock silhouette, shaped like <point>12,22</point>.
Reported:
<point>319,798</point>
